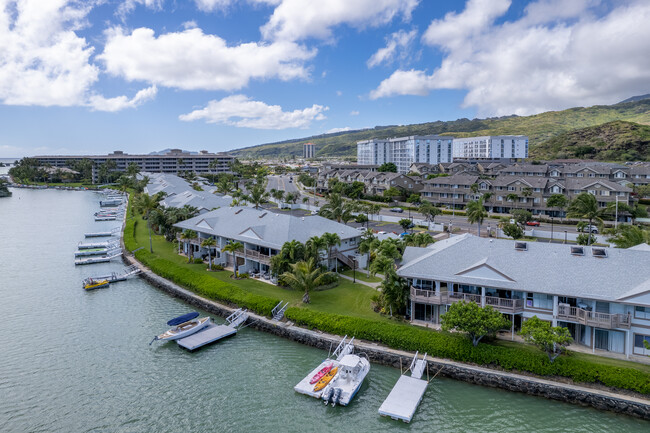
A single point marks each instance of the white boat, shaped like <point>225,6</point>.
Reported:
<point>183,326</point>
<point>352,370</point>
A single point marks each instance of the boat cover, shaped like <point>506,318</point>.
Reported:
<point>182,319</point>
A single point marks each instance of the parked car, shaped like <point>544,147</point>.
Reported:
<point>532,223</point>
<point>397,209</point>
<point>314,212</point>
<point>590,229</point>
<point>362,229</point>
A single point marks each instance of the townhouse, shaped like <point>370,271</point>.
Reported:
<point>602,295</point>
<point>262,234</point>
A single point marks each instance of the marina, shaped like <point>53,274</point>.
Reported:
<point>106,234</point>
<point>406,395</point>
<point>134,381</point>
<point>93,245</point>
<point>93,260</point>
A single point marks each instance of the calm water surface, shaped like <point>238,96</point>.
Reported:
<point>73,361</point>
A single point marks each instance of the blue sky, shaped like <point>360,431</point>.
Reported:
<point>95,76</point>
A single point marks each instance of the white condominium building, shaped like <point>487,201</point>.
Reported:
<point>491,147</point>
<point>403,151</point>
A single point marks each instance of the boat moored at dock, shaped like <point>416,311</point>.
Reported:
<point>92,284</point>
<point>183,326</point>
<point>352,370</point>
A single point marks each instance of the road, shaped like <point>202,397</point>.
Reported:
<point>281,182</point>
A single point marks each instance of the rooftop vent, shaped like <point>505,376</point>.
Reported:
<point>521,246</point>
<point>599,252</point>
<point>263,215</point>
<point>238,211</point>
<point>577,251</point>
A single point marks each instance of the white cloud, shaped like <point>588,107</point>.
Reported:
<point>397,44</point>
<point>42,60</point>
<point>295,20</point>
<point>354,113</point>
<point>410,82</point>
<point>551,58</point>
<point>333,130</point>
<point>220,5</point>
<point>100,103</point>
<point>339,93</point>
<point>241,111</point>
<point>193,60</point>
<point>129,6</point>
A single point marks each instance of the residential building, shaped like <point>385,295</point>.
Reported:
<point>175,161</point>
<point>178,193</point>
<point>602,295</point>
<point>308,150</point>
<point>491,147</point>
<point>403,151</point>
<point>262,234</point>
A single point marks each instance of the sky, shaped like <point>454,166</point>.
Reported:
<point>94,76</point>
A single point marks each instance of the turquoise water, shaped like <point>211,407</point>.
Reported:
<point>75,361</point>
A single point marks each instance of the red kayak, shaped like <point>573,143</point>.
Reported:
<point>320,374</point>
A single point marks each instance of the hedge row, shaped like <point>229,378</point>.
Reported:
<point>398,336</point>
<point>459,348</point>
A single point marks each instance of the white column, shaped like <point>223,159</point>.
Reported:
<point>628,343</point>
<point>555,310</point>
<point>482,296</point>
<point>437,288</point>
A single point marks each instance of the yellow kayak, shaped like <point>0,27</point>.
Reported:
<point>326,379</point>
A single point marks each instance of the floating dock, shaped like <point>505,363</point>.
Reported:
<point>114,276</point>
<point>93,245</point>
<point>304,387</point>
<point>213,332</point>
<point>106,218</point>
<point>91,252</point>
<point>407,393</point>
<point>92,260</point>
<point>102,234</point>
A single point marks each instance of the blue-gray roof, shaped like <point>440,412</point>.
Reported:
<point>541,268</point>
<point>265,228</point>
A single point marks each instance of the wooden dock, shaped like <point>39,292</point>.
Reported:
<point>210,334</point>
<point>99,234</point>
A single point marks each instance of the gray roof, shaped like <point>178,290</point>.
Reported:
<point>261,227</point>
<point>201,200</point>
<point>542,268</point>
<point>578,183</point>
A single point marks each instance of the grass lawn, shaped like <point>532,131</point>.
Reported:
<point>363,277</point>
<point>346,299</point>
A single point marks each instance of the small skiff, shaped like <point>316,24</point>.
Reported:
<point>326,379</point>
<point>183,326</point>
<point>91,284</point>
<point>318,376</point>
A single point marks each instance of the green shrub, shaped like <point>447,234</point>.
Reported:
<point>217,267</point>
<point>198,261</point>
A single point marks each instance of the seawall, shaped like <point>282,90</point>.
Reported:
<point>569,393</point>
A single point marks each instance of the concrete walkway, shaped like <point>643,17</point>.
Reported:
<point>373,285</point>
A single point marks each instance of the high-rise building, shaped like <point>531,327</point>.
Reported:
<point>308,150</point>
<point>491,147</point>
<point>403,151</point>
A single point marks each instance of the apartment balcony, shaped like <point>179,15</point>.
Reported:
<point>255,255</point>
<point>591,318</point>
<point>503,305</point>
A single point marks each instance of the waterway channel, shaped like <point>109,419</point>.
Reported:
<point>75,361</point>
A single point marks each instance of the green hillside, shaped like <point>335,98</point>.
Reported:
<point>539,128</point>
<point>611,141</point>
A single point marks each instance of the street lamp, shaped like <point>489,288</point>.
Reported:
<point>551,229</point>
<point>565,236</point>
<point>489,235</point>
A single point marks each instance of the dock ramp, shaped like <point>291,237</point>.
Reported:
<point>213,332</point>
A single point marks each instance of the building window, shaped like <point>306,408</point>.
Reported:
<point>539,300</point>
<point>642,313</point>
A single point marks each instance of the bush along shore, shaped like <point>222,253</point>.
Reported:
<point>455,347</point>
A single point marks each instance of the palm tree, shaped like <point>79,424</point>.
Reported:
<point>381,265</point>
<point>585,206</point>
<point>421,239</point>
<point>143,205</point>
<point>368,244</point>
<point>627,236</point>
<point>294,250</point>
<point>429,211</point>
<point>476,213</point>
<point>123,184</point>
<point>189,235</point>
<point>209,243</point>
<point>257,195</point>
<point>330,240</point>
<point>132,170</point>
<point>224,186</point>
<point>335,209</point>
<point>232,248</point>
<point>313,247</point>
<point>278,195</point>
<point>394,291</point>
<point>304,276</point>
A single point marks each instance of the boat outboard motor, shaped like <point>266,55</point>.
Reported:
<point>335,398</point>
<point>327,394</point>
